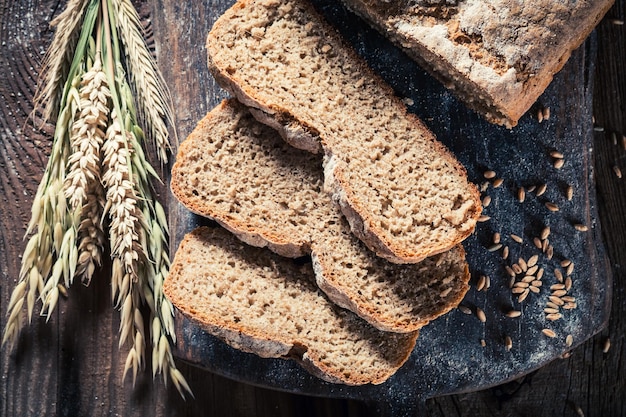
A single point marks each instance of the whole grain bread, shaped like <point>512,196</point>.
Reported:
<point>261,303</point>
<point>404,193</point>
<point>239,172</point>
<point>498,56</point>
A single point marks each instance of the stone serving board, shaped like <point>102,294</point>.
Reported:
<point>449,356</point>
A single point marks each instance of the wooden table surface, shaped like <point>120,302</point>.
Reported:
<point>71,366</point>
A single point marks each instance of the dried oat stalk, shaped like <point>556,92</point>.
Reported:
<point>96,190</point>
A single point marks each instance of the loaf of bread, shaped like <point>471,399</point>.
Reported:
<point>404,193</point>
<point>498,56</point>
<point>239,172</point>
<point>261,303</point>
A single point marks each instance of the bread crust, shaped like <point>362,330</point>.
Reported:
<point>500,99</point>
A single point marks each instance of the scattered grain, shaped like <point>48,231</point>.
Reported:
<point>536,284</point>
<point>483,218</point>
<point>617,22</point>
<point>523,296</point>
<point>556,154</point>
<point>558,274</point>
<point>505,252</point>
<point>538,243</point>
<point>481,283</point>
<point>483,343</point>
<point>550,252</point>
<point>565,262</point>
<point>569,340</point>
<point>539,273</point>
<point>521,194</point>
<point>532,270</point>
<point>484,186</point>
<point>522,263</point>
<point>531,188</point>
<point>516,238</point>
<point>598,129</point>
<point>518,290</point>
<point>550,304</point>
<point>481,315</point>
<point>569,193</point>
<point>606,346</point>
<point>497,182</point>
<point>496,238</point>
<point>521,284</point>
<point>566,355</point>
<point>569,306</point>
<point>568,298</point>
<point>532,261</point>
<point>581,227</point>
<point>487,282</point>
<point>511,282</point>
<point>528,278</point>
<point>539,115</point>
<point>551,310</point>
<point>624,142</point>
<point>494,248</point>
<point>546,113</point>
<point>570,269</point>
<point>557,287</point>
<point>508,343</point>
<point>553,317</point>
<point>534,289</point>
<point>489,174</point>
<point>617,171</point>
<point>517,269</point>
<point>486,201</point>
<point>541,189</point>
<point>568,283</point>
<point>510,271</point>
<point>548,332</point>
<point>513,313</point>
<point>545,233</point>
<point>551,206</point>
<point>556,300</point>
<point>465,309</point>
<point>559,293</point>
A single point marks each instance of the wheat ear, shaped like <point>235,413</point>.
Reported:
<point>58,58</point>
<point>153,98</point>
<point>82,184</point>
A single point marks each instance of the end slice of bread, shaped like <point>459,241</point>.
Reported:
<point>240,173</point>
<point>403,192</point>
<point>264,304</point>
<point>497,56</point>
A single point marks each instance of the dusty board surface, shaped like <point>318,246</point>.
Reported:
<point>449,356</point>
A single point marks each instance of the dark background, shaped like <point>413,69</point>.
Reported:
<point>72,365</point>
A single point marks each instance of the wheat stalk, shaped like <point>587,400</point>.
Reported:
<point>58,58</point>
<point>98,171</point>
<point>152,94</point>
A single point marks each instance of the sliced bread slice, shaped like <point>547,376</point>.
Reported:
<point>261,303</point>
<point>498,56</point>
<point>242,174</point>
<point>404,193</point>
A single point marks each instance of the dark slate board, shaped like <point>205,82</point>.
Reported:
<point>448,357</point>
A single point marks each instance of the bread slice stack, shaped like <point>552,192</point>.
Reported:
<point>404,194</point>
<point>239,172</point>
<point>381,214</point>
<point>498,56</point>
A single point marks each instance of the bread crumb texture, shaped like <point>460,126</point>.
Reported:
<point>240,172</point>
<point>265,304</point>
<point>411,195</point>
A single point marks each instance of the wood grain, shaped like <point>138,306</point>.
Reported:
<point>72,365</point>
